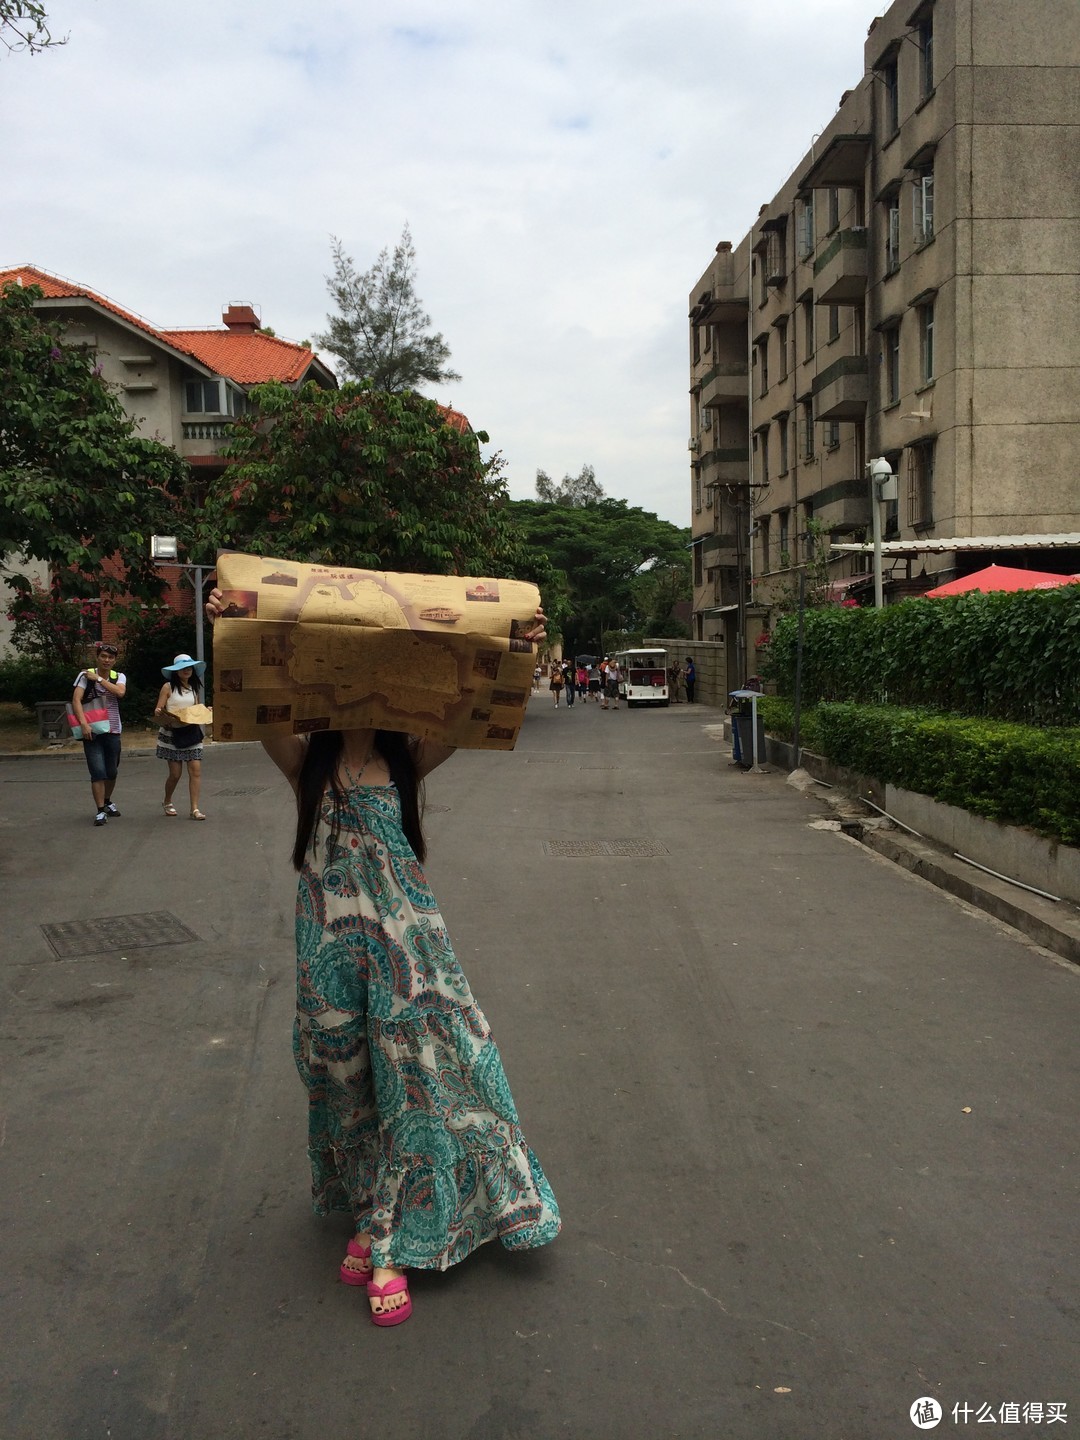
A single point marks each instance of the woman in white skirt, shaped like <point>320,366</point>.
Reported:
<point>179,743</point>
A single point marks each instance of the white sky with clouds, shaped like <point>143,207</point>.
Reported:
<point>566,167</point>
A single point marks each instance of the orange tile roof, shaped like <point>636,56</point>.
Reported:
<point>249,359</point>
<point>246,358</point>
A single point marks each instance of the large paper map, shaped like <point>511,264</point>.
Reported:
<point>317,647</point>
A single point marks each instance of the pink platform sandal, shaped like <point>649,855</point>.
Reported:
<point>392,1287</point>
<point>356,1251</point>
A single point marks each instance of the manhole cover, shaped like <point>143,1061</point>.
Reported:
<point>72,938</point>
<point>572,849</point>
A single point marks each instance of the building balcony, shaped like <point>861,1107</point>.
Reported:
<point>841,391</point>
<point>724,466</point>
<point>726,383</point>
<point>204,437</point>
<point>844,506</point>
<point>840,269</point>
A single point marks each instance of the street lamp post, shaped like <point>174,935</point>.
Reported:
<point>163,551</point>
<point>882,487</point>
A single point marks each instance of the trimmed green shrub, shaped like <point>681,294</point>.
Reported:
<point>1016,774</point>
<point>1004,656</point>
<point>25,681</point>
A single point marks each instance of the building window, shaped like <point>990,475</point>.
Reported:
<point>782,429</point>
<point>775,268</point>
<point>922,204</point>
<point>832,435</point>
<point>806,237</point>
<point>834,322</point>
<point>926,47</point>
<point>785,538</point>
<point>892,233</point>
<point>763,529</point>
<point>890,97</point>
<point>890,355</point>
<point>921,484</point>
<point>807,536</point>
<point>808,328</point>
<point>926,342</point>
<point>808,429</point>
<point>763,451</point>
<point>781,341</point>
<point>202,397</point>
<point>834,209</point>
<point>763,365</point>
<point>699,576</point>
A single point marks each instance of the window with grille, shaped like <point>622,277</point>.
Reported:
<point>782,438</point>
<point>775,268</point>
<point>781,341</point>
<point>890,346</point>
<point>834,322</point>
<point>920,483</point>
<point>926,342</point>
<point>892,233</point>
<point>763,530</point>
<point>808,328</point>
<point>890,97</point>
<point>922,204</point>
<point>808,429</point>
<point>806,237</point>
<point>763,365</point>
<point>926,57</point>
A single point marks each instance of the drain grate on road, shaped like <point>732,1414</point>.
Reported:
<point>245,790</point>
<point>575,849</point>
<point>71,939</point>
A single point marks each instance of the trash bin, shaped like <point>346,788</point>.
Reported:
<point>52,720</point>
<point>742,729</point>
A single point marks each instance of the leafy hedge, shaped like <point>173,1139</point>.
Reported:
<point>1003,656</point>
<point>1012,773</point>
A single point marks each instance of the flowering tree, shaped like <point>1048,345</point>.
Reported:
<point>48,627</point>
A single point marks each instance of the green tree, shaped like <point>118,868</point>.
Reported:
<point>362,477</point>
<point>380,333</point>
<point>24,25</point>
<point>574,490</point>
<point>79,489</point>
<point>601,556</point>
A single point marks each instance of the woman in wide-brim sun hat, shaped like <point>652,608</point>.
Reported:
<point>179,743</point>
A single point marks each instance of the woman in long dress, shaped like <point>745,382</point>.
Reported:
<point>411,1124</point>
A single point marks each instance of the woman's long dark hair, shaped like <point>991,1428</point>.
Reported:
<point>319,773</point>
<point>195,685</point>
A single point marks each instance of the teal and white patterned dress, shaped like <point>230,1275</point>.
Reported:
<point>410,1115</point>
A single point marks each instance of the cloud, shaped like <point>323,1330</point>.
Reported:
<point>566,171</point>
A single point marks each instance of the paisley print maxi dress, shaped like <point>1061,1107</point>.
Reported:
<point>410,1117</point>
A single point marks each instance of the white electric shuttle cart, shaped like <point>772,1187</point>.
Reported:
<point>644,677</point>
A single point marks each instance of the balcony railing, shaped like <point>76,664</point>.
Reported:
<point>841,391</point>
<point>724,384</point>
<point>840,270</point>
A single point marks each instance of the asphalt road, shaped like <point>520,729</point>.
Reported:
<point>812,1124</point>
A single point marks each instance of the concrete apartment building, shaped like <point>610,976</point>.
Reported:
<point>912,291</point>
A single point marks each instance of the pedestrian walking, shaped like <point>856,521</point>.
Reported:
<point>613,675</point>
<point>537,674</point>
<point>178,743</point>
<point>555,684</point>
<point>581,678</point>
<point>98,690</point>
<point>690,678</point>
<point>569,684</point>
<point>595,683</point>
<point>412,1128</point>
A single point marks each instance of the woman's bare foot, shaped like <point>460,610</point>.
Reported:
<point>356,1267</point>
<point>387,1304</point>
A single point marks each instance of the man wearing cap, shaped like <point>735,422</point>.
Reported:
<point>101,687</point>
